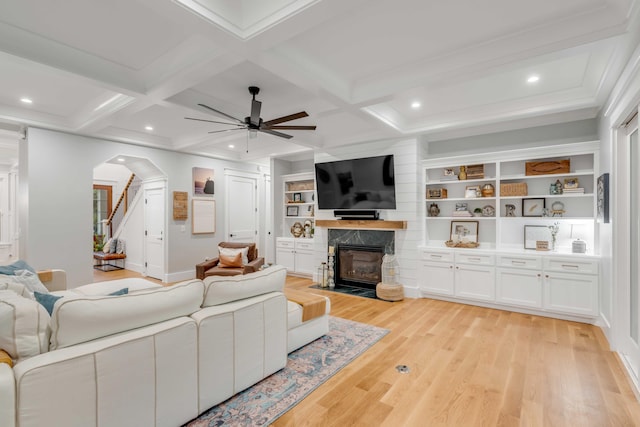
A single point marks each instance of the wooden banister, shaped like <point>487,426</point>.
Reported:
<point>122,197</point>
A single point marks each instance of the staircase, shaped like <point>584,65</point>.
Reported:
<point>117,214</point>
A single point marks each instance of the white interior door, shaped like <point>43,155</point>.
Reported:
<point>242,207</point>
<point>268,207</point>
<point>154,236</point>
<point>631,288</point>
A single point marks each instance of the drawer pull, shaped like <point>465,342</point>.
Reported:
<point>514,262</point>
<point>435,256</point>
<point>474,259</point>
<point>570,266</point>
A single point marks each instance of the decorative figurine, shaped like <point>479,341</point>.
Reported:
<point>488,211</point>
<point>434,210</point>
<point>510,210</point>
<point>463,173</point>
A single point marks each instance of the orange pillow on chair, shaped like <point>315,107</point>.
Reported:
<point>231,261</point>
<point>5,358</point>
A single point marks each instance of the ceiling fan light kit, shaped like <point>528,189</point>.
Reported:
<point>254,122</point>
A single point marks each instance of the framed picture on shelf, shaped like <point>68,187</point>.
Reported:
<point>602,206</point>
<point>464,231</point>
<point>292,210</point>
<point>571,183</point>
<point>297,197</point>
<point>533,207</point>
<point>472,191</point>
<point>534,235</point>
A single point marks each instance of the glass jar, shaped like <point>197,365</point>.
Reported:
<point>323,275</point>
<point>390,269</point>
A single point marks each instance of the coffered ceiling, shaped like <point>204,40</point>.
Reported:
<point>111,69</point>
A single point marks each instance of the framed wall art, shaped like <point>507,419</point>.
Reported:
<point>533,207</point>
<point>203,182</point>
<point>533,234</point>
<point>203,216</point>
<point>602,194</point>
<point>464,231</point>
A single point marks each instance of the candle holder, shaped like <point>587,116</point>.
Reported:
<point>330,281</point>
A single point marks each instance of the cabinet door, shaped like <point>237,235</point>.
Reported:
<point>571,293</point>
<point>519,287</point>
<point>475,282</point>
<point>304,262</point>
<point>436,278</point>
<point>286,257</point>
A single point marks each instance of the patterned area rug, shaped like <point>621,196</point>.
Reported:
<point>307,368</point>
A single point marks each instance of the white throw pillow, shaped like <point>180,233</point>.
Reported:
<point>232,252</point>
<point>24,326</point>
<point>31,281</point>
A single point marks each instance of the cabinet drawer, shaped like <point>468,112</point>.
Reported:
<point>521,261</point>
<point>304,245</point>
<point>282,243</point>
<point>571,265</point>
<point>430,255</point>
<point>468,258</point>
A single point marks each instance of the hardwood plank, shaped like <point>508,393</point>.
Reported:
<point>469,366</point>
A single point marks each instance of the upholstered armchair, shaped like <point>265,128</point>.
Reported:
<point>218,267</point>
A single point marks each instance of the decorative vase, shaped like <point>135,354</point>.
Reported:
<point>463,173</point>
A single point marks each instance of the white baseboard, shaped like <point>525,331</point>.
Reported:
<point>138,268</point>
<point>179,276</point>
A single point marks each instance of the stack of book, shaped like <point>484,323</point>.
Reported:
<point>573,190</point>
<point>461,214</point>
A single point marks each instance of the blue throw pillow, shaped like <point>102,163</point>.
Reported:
<point>47,300</point>
<point>10,269</point>
<point>123,291</point>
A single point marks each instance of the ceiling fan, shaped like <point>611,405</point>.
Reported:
<point>254,122</point>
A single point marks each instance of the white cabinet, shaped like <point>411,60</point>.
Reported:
<point>462,275</point>
<point>571,286</point>
<point>546,283</point>
<point>519,280</point>
<point>295,254</point>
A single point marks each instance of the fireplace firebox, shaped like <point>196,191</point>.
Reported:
<point>359,265</point>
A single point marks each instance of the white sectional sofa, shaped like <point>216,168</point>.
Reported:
<point>158,356</point>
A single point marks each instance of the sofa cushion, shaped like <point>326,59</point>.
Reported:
<point>78,318</point>
<point>224,289</point>
<point>134,284</point>
<point>31,281</point>
<point>9,285</point>
<point>24,326</point>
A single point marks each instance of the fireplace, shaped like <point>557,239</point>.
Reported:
<point>359,265</point>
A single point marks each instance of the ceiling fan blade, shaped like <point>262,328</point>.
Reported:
<point>221,113</point>
<point>273,132</point>
<point>285,127</point>
<point>225,130</point>
<point>255,112</point>
<point>295,116</point>
<point>212,121</point>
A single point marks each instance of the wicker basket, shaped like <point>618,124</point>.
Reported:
<point>389,292</point>
<point>514,189</point>
<point>452,244</point>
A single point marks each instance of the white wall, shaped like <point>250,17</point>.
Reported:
<point>56,175</point>
<point>408,202</point>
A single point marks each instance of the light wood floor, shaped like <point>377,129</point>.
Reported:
<point>469,366</point>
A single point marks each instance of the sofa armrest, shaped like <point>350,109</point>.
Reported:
<point>7,396</point>
<point>254,265</point>
<point>53,280</point>
<point>204,266</point>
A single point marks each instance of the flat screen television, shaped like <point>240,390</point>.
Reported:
<point>365,183</point>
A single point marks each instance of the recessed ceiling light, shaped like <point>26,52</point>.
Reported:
<point>121,159</point>
<point>231,146</point>
<point>533,79</point>
<point>26,100</point>
<point>416,104</point>
<point>148,127</point>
